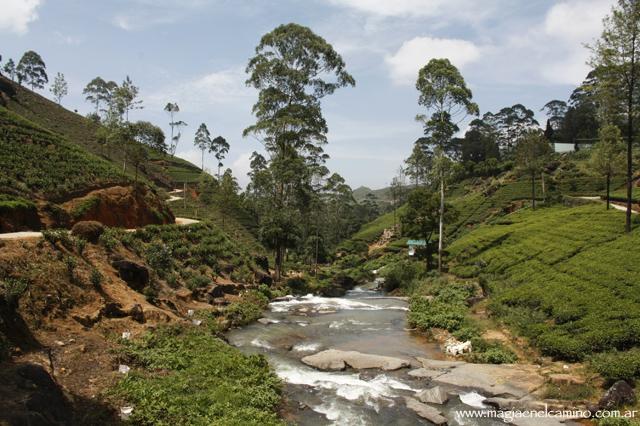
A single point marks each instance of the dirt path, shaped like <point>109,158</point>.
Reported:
<point>25,235</point>
<point>612,204</point>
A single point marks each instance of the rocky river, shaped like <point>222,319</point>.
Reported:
<point>351,361</point>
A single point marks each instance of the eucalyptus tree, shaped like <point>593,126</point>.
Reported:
<point>219,147</point>
<point>443,93</point>
<point>511,123</point>
<point>172,109</point>
<point>10,69</point>
<point>532,152</point>
<point>607,155</point>
<point>126,98</point>
<point>615,58</point>
<point>59,88</point>
<point>202,140</point>
<point>32,70</point>
<point>100,92</point>
<point>293,69</point>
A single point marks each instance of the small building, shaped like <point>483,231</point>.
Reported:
<point>413,244</point>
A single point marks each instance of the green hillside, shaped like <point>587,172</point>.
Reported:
<point>162,169</point>
<point>35,162</point>
<point>565,277</point>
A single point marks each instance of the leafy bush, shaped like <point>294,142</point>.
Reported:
<point>618,365</point>
<point>96,278</point>
<point>297,285</point>
<point>109,239</point>
<point>54,236</point>
<point>425,314</point>
<point>12,290</point>
<point>485,352</point>
<point>198,281</point>
<point>159,257</point>
<point>204,381</point>
<point>402,274</point>
<point>248,309</point>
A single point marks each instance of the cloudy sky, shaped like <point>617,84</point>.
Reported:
<point>194,52</point>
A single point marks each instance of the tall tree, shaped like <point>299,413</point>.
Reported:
<point>532,151</point>
<point>10,69</point>
<point>511,123</point>
<point>421,217</point>
<point>126,98</point>
<point>615,59</point>
<point>219,147</point>
<point>607,156</point>
<point>32,70</point>
<point>172,109</point>
<point>444,93</point>
<point>150,135</point>
<point>226,195</point>
<point>293,69</point>
<point>59,88</point>
<point>202,140</point>
<point>100,92</point>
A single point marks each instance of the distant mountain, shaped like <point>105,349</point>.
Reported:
<point>383,195</point>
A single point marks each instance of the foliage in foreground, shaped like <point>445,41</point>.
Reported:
<point>187,376</point>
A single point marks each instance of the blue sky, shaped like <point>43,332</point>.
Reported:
<point>194,52</point>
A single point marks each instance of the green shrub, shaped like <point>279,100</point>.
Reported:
<point>54,236</point>
<point>109,239</point>
<point>70,263</point>
<point>198,281</point>
<point>96,278</point>
<point>485,352</point>
<point>12,290</point>
<point>297,285</point>
<point>204,381</point>
<point>401,274</point>
<point>159,257</point>
<point>248,309</point>
<point>425,314</point>
<point>618,365</point>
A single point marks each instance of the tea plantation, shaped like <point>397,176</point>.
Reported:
<point>35,161</point>
<point>567,278</point>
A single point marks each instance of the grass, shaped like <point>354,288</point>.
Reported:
<point>561,276</point>
<point>186,376</point>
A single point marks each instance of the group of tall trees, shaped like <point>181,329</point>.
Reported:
<point>218,146</point>
<point>300,206</point>
<point>600,112</point>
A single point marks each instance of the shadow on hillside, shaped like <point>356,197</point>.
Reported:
<point>29,395</point>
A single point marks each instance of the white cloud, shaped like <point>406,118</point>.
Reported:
<point>16,15</point>
<point>141,14</point>
<point>415,53</point>
<point>455,9</point>
<point>241,166</point>
<point>216,88</point>
<point>576,21</point>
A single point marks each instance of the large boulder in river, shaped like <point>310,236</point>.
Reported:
<point>434,395</point>
<point>426,412</point>
<point>333,359</point>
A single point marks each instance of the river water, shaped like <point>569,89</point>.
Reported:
<point>365,321</point>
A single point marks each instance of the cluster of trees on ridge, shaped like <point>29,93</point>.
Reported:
<point>603,111</point>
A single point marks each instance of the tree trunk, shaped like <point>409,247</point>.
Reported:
<point>544,192</point>
<point>278,262</point>
<point>203,160</point>
<point>608,187</point>
<point>632,88</point>
<point>441,224</point>
<point>533,190</point>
